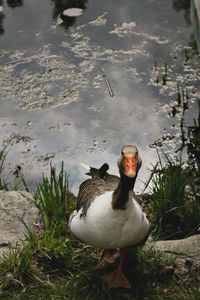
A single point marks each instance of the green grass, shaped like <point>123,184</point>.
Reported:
<point>52,264</point>
<point>68,271</point>
<point>55,201</point>
<point>175,207</point>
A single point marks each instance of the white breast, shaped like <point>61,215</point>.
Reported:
<point>106,228</point>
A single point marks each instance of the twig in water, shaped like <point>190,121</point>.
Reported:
<point>110,90</point>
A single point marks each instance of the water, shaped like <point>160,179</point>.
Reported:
<point>55,103</point>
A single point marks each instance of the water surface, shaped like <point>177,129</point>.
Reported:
<point>55,104</point>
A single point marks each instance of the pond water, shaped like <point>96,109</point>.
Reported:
<point>75,89</point>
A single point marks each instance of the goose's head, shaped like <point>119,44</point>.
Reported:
<point>129,162</point>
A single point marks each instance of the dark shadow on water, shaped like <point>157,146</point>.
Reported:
<point>59,7</point>
<point>12,4</point>
<point>62,5</point>
<point>189,134</point>
<point>15,3</point>
<point>2,16</point>
<point>180,5</point>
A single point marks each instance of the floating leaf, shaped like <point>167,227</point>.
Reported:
<point>72,12</point>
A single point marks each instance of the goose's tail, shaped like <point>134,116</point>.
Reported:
<point>86,167</point>
<point>96,173</point>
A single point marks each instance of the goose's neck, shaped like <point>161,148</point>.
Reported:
<point>121,194</point>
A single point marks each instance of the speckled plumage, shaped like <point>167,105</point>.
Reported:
<point>100,182</point>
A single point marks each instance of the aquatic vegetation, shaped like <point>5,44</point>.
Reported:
<point>192,140</point>
<point>175,207</point>
<point>17,181</point>
<point>3,184</point>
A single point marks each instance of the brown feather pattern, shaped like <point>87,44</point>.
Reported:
<point>94,187</point>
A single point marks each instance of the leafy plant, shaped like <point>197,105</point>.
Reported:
<point>176,205</point>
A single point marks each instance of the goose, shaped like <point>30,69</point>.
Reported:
<point>107,215</point>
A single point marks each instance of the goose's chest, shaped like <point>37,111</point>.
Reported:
<point>107,228</point>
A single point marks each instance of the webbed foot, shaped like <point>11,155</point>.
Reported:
<point>117,279</point>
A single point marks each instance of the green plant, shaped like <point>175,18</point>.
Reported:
<point>3,154</point>
<point>175,206</point>
<point>193,146</point>
<point>51,264</point>
<point>55,201</point>
<point>16,267</point>
<point>17,182</point>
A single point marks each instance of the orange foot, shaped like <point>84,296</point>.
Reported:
<point>117,279</point>
<point>108,256</point>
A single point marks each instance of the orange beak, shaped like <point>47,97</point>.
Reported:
<point>130,165</point>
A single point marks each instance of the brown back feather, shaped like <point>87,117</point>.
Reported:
<point>91,188</point>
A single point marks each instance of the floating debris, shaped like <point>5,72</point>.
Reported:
<point>72,12</point>
<point>123,29</point>
<point>110,90</point>
<point>101,20</point>
<point>46,157</point>
<point>17,138</point>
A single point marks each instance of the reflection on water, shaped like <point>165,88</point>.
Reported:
<point>179,5</point>
<point>193,143</point>
<point>62,6</point>
<point>10,3</point>
<point>2,16</point>
<point>55,104</point>
<point>192,16</point>
<point>14,3</point>
<point>65,11</point>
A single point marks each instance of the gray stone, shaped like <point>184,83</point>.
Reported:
<point>189,247</point>
<point>15,206</point>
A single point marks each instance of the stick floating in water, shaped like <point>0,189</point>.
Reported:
<point>110,90</point>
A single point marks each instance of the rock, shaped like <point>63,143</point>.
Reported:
<point>185,254</point>
<point>189,247</point>
<point>15,206</point>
